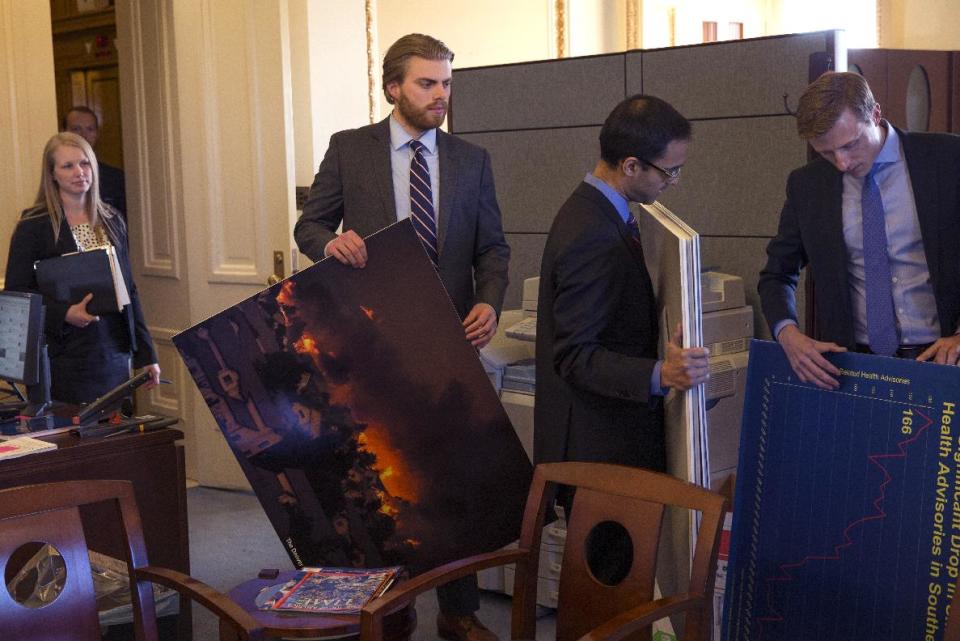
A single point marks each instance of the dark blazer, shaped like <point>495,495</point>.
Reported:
<point>811,234</point>
<point>113,188</point>
<point>33,240</point>
<point>597,340</point>
<point>354,184</point>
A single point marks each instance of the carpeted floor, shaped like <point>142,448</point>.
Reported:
<point>231,540</point>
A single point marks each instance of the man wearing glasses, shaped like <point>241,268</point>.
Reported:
<point>599,380</point>
<point>876,218</point>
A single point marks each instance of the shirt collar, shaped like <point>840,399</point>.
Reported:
<point>400,137</point>
<point>616,198</point>
<point>891,151</point>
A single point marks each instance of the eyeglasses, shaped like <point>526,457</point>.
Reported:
<point>672,174</point>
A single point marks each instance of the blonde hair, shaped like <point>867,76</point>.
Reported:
<point>49,193</point>
<point>823,102</point>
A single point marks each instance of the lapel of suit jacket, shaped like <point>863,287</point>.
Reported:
<point>923,180</point>
<point>449,175</point>
<point>383,170</point>
<point>612,216</point>
<point>65,242</point>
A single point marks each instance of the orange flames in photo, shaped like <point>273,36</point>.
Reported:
<point>394,473</point>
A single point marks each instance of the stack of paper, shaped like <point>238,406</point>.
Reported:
<point>22,445</point>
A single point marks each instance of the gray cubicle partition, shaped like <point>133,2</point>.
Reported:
<point>540,122</point>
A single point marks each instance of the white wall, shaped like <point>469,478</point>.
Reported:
<point>337,62</point>
<point>479,33</point>
<point>596,27</point>
<point>28,116</point>
<point>688,16</point>
<point>920,24</point>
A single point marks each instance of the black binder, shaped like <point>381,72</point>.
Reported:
<point>70,277</point>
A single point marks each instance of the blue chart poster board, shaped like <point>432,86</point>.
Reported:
<point>847,513</point>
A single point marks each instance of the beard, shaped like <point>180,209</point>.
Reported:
<point>420,117</point>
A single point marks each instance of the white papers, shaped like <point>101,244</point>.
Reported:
<point>123,296</point>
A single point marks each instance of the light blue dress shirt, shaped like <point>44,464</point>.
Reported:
<point>623,208</point>
<point>913,297</point>
<point>917,321</point>
<point>400,156</point>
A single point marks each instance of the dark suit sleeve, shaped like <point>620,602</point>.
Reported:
<point>323,211</point>
<point>28,245</point>
<point>786,256</point>
<point>492,254</point>
<point>113,190</point>
<point>588,282</point>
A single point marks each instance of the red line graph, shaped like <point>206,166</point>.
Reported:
<point>785,569</point>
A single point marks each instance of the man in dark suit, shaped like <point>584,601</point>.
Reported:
<point>83,121</point>
<point>404,166</point>
<point>875,218</point>
<point>599,380</point>
<point>364,182</point>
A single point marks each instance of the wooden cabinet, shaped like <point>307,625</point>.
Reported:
<point>917,90</point>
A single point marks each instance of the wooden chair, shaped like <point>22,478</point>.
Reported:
<point>51,513</point>
<point>587,608</point>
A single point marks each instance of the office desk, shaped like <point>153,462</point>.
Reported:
<point>153,461</point>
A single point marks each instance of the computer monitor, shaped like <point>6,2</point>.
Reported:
<point>21,336</point>
<point>23,357</point>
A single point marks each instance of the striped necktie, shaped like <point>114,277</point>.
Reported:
<point>881,317</point>
<point>421,202</point>
<point>634,226</point>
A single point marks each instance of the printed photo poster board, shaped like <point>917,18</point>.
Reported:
<point>360,414</point>
<point>846,521</point>
<point>671,252</point>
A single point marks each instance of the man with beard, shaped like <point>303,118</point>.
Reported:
<point>368,180</point>
<point>401,167</point>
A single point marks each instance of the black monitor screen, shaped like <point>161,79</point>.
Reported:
<point>21,336</point>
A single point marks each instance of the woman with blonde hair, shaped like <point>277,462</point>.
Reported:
<point>89,354</point>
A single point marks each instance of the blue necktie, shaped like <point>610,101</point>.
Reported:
<point>881,317</point>
<point>421,202</point>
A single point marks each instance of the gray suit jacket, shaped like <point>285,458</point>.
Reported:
<point>354,184</point>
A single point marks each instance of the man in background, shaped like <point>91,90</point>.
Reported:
<point>599,379</point>
<point>875,218</point>
<point>405,167</point>
<point>84,122</point>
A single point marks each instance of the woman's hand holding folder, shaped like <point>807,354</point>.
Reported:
<point>77,313</point>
